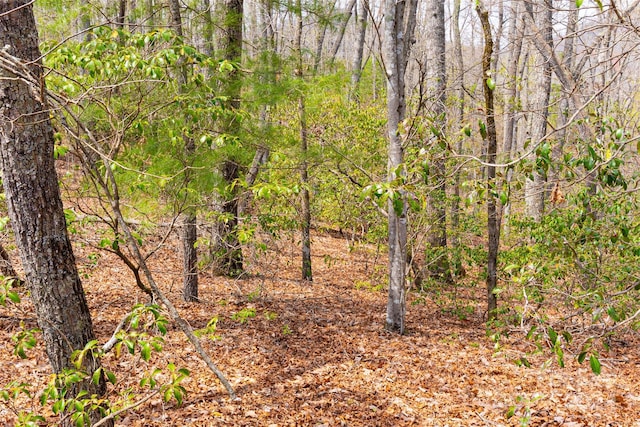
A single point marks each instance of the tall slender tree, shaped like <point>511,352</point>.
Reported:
<point>488,130</point>
<point>305,205</point>
<point>35,207</point>
<point>539,110</point>
<point>436,83</point>
<point>458,114</point>
<point>189,223</point>
<point>399,26</point>
<point>230,37</point>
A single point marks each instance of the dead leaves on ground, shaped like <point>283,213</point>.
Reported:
<point>317,355</point>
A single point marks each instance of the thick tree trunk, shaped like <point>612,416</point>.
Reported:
<point>35,208</point>
<point>491,141</point>
<point>436,80</point>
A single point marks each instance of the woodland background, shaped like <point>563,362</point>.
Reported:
<point>365,213</point>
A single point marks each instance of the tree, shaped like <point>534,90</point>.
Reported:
<point>35,207</point>
<point>436,81</point>
<point>488,131</point>
<point>189,224</point>
<point>398,38</point>
<point>229,250</point>
<point>458,114</point>
<point>356,67</point>
<point>538,113</point>
<point>305,206</point>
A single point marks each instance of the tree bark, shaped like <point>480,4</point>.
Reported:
<point>189,224</point>
<point>343,28</point>
<point>356,67</point>
<point>491,141</point>
<point>458,66</point>
<point>436,81</point>
<point>509,134</point>
<point>305,206</point>
<point>229,252</point>
<point>538,112</point>
<point>35,207</point>
<point>398,38</point>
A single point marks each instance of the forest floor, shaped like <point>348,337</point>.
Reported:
<point>316,354</point>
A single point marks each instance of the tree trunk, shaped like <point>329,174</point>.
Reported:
<point>491,141</point>
<point>539,111</point>
<point>304,194</point>
<point>122,11</point>
<point>189,224</point>
<point>229,252</point>
<point>305,207</point>
<point>436,81</point>
<point>398,38</point>
<point>35,207</point>
<point>356,67</point>
<point>509,135</point>
<point>341,31</point>
<point>458,268</point>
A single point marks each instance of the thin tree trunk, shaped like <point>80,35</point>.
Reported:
<point>398,38</point>
<point>458,268</point>
<point>122,11</point>
<point>322,32</point>
<point>563,105</point>
<point>436,81</point>
<point>343,28</point>
<point>356,67</point>
<point>491,141</point>
<point>35,207</point>
<point>305,207</point>
<point>538,112</point>
<point>510,143</point>
<point>189,223</point>
<point>230,260</point>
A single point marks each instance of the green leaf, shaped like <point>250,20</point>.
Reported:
<point>95,378</point>
<point>560,356</point>
<point>14,297</point>
<point>491,84</point>
<point>595,364</point>
<point>579,3</point>
<point>483,129</point>
<point>553,335</point>
<point>111,377</point>
<point>145,351</point>
<point>619,133</point>
<point>582,356</point>
<point>613,314</point>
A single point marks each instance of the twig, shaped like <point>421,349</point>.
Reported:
<point>125,409</point>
